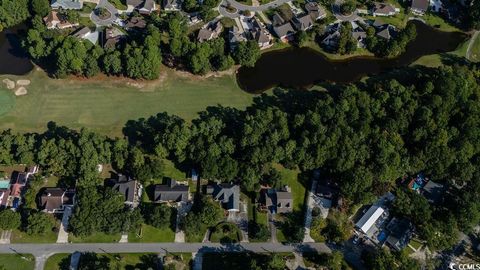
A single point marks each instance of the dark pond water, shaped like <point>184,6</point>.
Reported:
<point>13,59</point>
<point>301,68</point>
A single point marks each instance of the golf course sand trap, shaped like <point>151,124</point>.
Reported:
<point>21,91</point>
<point>9,83</point>
<point>23,82</point>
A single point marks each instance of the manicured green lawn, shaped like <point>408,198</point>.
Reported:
<point>435,60</point>
<point>119,4</point>
<point>290,178</point>
<point>105,104</point>
<point>95,238</point>
<point>171,171</point>
<point>22,237</point>
<point>16,262</point>
<point>438,22</point>
<point>280,236</point>
<point>415,243</point>
<point>151,234</point>
<point>56,261</point>
<point>225,233</point>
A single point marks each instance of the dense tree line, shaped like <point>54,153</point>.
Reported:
<point>13,12</point>
<point>365,136</point>
<point>392,47</point>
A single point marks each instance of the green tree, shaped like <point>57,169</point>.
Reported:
<point>39,223</point>
<point>9,220</point>
<point>247,53</point>
<point>40,7</point>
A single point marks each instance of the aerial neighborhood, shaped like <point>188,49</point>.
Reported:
<point>239,134</point>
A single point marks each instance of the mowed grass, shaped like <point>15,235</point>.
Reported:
<point>150,234</point>
<point>290,178</point>
<point>105,104</point>
<point>58,261</point>
<point>95,238</point>
<point>23,237</point>
<point>16,262</point>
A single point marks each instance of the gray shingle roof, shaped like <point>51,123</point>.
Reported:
<point>227,194</point>
<point>420,5</point>
<point>283,30</point>
<point>171,193</point>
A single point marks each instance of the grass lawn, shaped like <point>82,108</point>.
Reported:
<point>16,262</point>
<point>56,261</point>
<point>105,104</point>
<point>474,53</point>
<point>225,233</point>
<point>119,4</point>
<point>435,60</point>
<point>290,178</point>
<point>237,261</point>
<point>23,237</point>
<point>416,244</point>
<point>151,234</point>
<point>95,238</point>
<point>85,21</point>
<point>280,236</point>
<point>438,22</point>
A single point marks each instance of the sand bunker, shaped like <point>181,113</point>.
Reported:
<point>9,83</point>
<point>21,91</point>
<point>23,82</point>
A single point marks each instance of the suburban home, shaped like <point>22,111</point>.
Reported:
<point>277,201</point>
<point>303,22</point>
<point>227,194</point>
<point>315,11</point>
<point>18,183</point>
<point>433,192</point>
<point>67,4</point>
<point>171,5</point>
<point>111,37</point>
<point>326,194</point>
<point>145,7</point>
<point>284,32</point>
<point>4,193</point>
<point>209,31</point>
<point>419,7</point>
<point>171,192</point>
<point>55,200</point>
<point>129,188</point>
<point>234,37</point>
<point>194,175</point>
<point>387,32</point>
<point>277,19</point>
<point>260,34</point>
<point>384,9</point>
<point>82,33</point>
<point>135,23</point>
<point>56,20</point>
<point>360,36</point>
<point>400,232</point>
<point>367,224</point>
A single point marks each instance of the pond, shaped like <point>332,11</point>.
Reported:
<point>13,60</point>
<point>300,68</point>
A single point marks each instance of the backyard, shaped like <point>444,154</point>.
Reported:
<point>105,104</point>
<point>16,262</point>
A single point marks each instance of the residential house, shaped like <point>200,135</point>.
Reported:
<point>400,232</point>
<point>385,31</point>
<point>209,31</point>
<point>82,33</point>
<point>303,22</point>
<point>227,194</point>
<point>111,37</point>
<point>360,36</point>
<point>171,192</point>
<point>235,36</point>
<point>326,195</point>
<point>330,41</point>
<point>55,200</point>
<point>419,7</point>
<point>284,32</point>
<point>277,201</point>
<point>384,9</point>
<point>56,20</point>
<point>130,189</point>
<point>433,192</point>
<point>260,34</point>
<point>4,193</point>
<point>367,224</point>
<point>315,11</point>
<point>135,23</point>
<point>145,7</point>
<point>193,18</point>
<point>277,20</point>
<point>67,4</point>
<point>194,175</point>
<point>172,5</point>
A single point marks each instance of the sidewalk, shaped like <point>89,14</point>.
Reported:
<point>5,237</point>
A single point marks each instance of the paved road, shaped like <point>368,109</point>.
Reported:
<point>241,7</point>
<point>42,251</point>
<point>109,21</point>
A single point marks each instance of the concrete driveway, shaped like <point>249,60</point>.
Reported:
<point>62,232</point>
